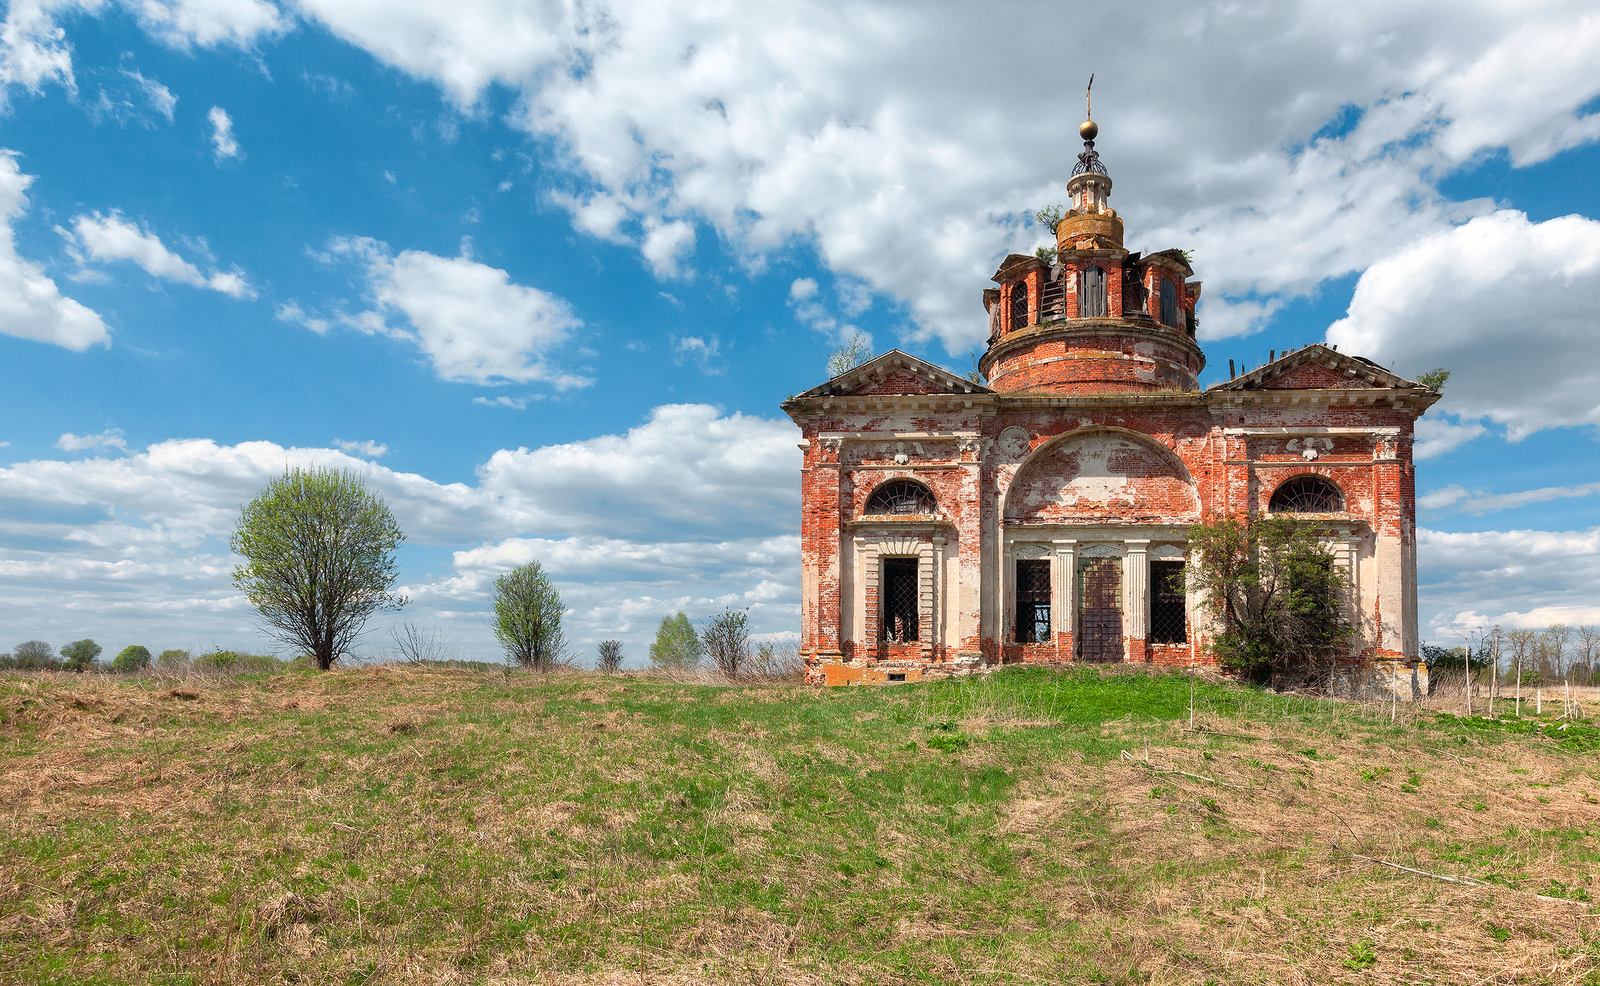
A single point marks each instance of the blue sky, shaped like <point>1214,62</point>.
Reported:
<point>544,273</point>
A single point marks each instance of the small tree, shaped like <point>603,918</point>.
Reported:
<point>1274,592</point>
<point>610,659</point>
<point>319,559</point>
<point>35,655</point>
<point>173,660</point>
<point>727,641</point>
<point>417,644</point>
<point>1587,648</point>
<point>676,644</point>
<point>527,617</point>
<point>1434,379</point>
<point>80,654</point>
<point>849,356</point>
<point>133,657</point>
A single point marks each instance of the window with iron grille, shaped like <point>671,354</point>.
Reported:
<point>897,601</point>
<point>1033,602</point>
<point>1019,306</point>
<point>1307,495</point>
<point>1169,304</point>
<point>1169,623</point>
<point>901,496</point>
<point>1092,293</point>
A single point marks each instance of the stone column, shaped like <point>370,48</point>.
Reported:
<point>1064,589</point>
<point>941,605</point>
<point>1135,604</point>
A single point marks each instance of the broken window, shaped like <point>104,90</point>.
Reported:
<point>1169,621</point>
<point>1092,293</point>
<point>901,496</point>
<point>1033,602</point>
<point>1019,306</point>
<point>1307,495</point>
<point>1169,304</point>
<point>897,601</point>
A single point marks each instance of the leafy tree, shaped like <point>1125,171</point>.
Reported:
<point>1434,379</point>
<point>1273,591</point>
<point>173,660</point>
<point>81,653</point>
<point>527,617</point>
<point>676,645</point>
<point>610,658</point>
<point>1049,217</point>
<point>727,641</point>
<point>849,356</point>
<point>319,550</point>
<point>35,655</point>
<point>133,657</point>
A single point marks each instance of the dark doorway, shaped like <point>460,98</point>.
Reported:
<point>1099,610</point>
<point>897,601</point>
<point>1169,621</point>
<point>1033,602</point>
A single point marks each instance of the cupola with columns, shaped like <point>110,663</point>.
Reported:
<point>1096,318</point>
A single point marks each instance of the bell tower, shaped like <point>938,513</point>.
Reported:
<point>1092,318</point>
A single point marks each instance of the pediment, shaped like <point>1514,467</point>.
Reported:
<point>895,374</point>
<point>1318,367</point>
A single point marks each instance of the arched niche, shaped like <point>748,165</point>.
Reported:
<point>1101,475</point>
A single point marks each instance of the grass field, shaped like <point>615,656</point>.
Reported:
<point>427,826</point>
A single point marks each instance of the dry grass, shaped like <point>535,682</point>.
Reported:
<point>403,825</point>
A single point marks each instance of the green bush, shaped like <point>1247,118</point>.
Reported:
<point>232,662</point>
<point>80,654</point>
<point>134,657</point>
<point>173,660</point>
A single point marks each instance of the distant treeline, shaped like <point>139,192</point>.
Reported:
<point>1555,654</point>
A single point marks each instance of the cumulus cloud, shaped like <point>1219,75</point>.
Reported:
<point>1511,313</point>
<point>110,438</point>
<point>114,238</point>
<point>31,306</point>
<point>1461,500</point>
<point>813,314</point>
<point>1436,436</point>
<point>33,49</point>
<point>157,95</point>
<point>1510,578</point>
<point>691,509</point>
<point>210,22</point>
<point>471,320</point>
<point>224,145</point>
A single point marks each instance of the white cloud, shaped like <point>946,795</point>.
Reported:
<point>1468,502</point>
<point>472,321</point>
<point>114,238</point>
<point>814,315</point>
<point>223,142</point>
<point>110,438</point>
<point>33,49</point>
<point>700,351</point>
<point>505,400</point>
<point>1512,314</point>
<point>367,449</point>
<point>1511,578</point>
<point>665,245</point>
<point>1436,436</point>
<point>290,311</point>
<point>159,96</point>
<point>691,509</point>
<point>31,306</point>
<point>210,22</point>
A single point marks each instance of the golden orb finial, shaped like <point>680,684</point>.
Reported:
<point>1088,130</point>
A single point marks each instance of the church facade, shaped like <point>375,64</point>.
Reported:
<point>949,526</point>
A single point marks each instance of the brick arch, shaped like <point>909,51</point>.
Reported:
<point>1105,475</point>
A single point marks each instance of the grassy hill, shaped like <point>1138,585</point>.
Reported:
<point>453,826</point>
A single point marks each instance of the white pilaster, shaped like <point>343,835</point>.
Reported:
<point>1135,589</point>
<point>1064,586</point>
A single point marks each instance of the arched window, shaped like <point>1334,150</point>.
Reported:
<point>1019,306</point>
<point>901,496</point>
<point>1307,495</point>
<point>1092,293</point>
<point>1169,304</point>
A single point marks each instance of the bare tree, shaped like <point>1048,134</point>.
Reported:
<point>1588,647</point>
<point>1523,645</point>
<point>610,658</point>
<point>1555,639</point>
<point>417,645</point>
<point>727,641</point>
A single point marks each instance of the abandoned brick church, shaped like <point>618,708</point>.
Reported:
<point>947,526</point>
